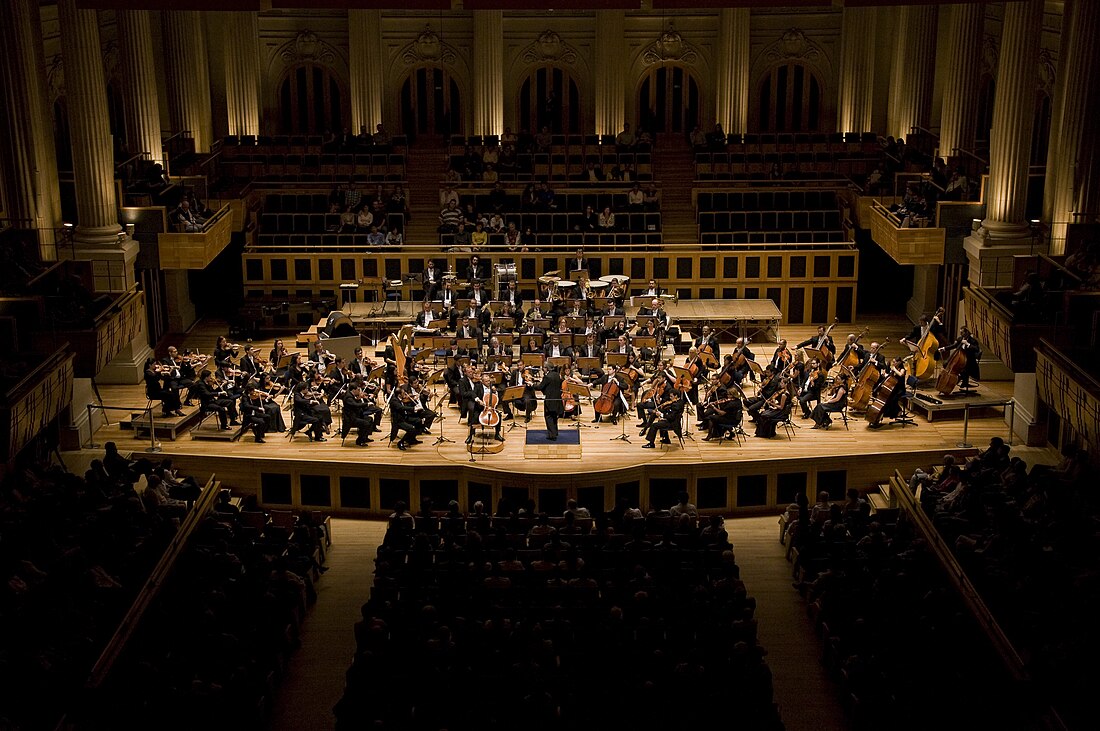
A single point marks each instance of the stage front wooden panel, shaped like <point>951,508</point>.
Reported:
<point>808,285</point>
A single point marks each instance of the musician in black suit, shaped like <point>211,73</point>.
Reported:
<point>470,330</point>
<point>476,271</point>
<point>448,297</point>
<point>554,349</point>
<point>250,363</point>
<point>822,341</point>
<point>577,262</point>
<point>666,416</point>
<point>403,417</point>
<point>431,279</point>
<point>527,402</point>
<point>478,395</point>
<point>742,348</point>
<point>215,399</point>
<point>707,337</point>
<point>511,295</point>
<point>305,414</point>
<point>969,345</point>
<point>552,406</point>
<point>874,355</point>
<point>477,295</point>
<point>355,415</point>
<point>652,290</point>
<point>253,414</point>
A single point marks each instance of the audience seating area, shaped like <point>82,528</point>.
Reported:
<point>760,156</point>
<point>75,553</point>
<point>782,216</point>
<point>566,158</point>
<point>508,622</point>
<point>301,158</point>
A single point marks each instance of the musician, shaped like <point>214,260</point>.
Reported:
<point>590,349</point>
<point>554,349</point>
<point>654,310</point>
<point>214,399</point>
<point>447,298</point>
<point>707,337</point>
<point>305,415</point>
<point>250,363</point>
<point>833,402</point>
<point>822,341</point>
<point>253,414</point>
<point>470,330</point>
<point>874,356</point>
<point>698,370</point>
<point>663,382</point>
<point>570,404</point>
<point>475,270</point>
<point>518,377</point>
<point>721,409</point>
<point>652,290</point>
<point>926,324</point>
<point>478,396</point>
<point>969,345</point>
<point>294,373</point>
<point>320,355</point>
<point>425,317</point>
<point>781,357</point>
<point>497,349</point>
<point>666,416</point>
<point>361,365</point>
<point>532,346</point>
<point>224,352</point>
<point>430,279</point>
<point>278,352</point>
<point>515,319</point>
<point>741,348</point>
<point>337,379</point>
<point>651,330</point>
<point>891,407</point>
<point>321,410</point>
<point>452,374</point>
<point>273,412</point>
<point>552,402</point>
<point>403,417</point>
<point>578,262</point>
<point>852,345</point>
<point>180,373</point>
<point>777,410</point>
<point>617,292</point>
<point>168,395</point>
<point>769,385</point>
<point>618,407</point>
<point>623,344</point>
<point>354,415</point>
<point>614,309</point>
<point>810,388</point>
<point>477,295</point>
<point>579,309</point>
<point>511,295</point>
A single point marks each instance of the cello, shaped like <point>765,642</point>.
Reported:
<point>489,415</point>
<point>884,395</point>
<point>605,402</point>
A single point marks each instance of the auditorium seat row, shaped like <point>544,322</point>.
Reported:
<point>300,143</point>
<point>770,221</point>
<point>767,200</point>
<point>850,142</point>
<point>573,239</point>
<point>558,142</point>
<point>379,167</point>
<point>574,222</point>
<point>723,166</point>
<point>772,237</point>
<point>569,202</point>
<point>315,223</point>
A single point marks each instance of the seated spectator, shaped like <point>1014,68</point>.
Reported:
<point>545,197</point>
<point>364,220</point>
<point>543,140</point>
<point>698,138</point>
<point>347,221</point>
<point>716,139</point>
<point>635,198</point>
<point>625,140</point>
<point>496,223</point>
<point>490,155</point>
<point>652,199</point>
<point>461,236</point>
<point>683,507</point>
<point>645,140</point>
<point>394,237</point>
<point>606,220</point>
<point>452,175</point>
<point>498,198</point>
<point>479,238</point>
<point>509,160</point>
<point>508,139</point>
<point>450,218</point>
<point>593,173</point>
<point>489,175</point>
<point>375,237</point>
<point>591,220</point>
<point>381,136</point>
<point>447,195</point>
<point>187,221</point>
<point>512,237</point>
<point>571,508</point>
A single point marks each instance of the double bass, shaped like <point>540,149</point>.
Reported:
<point>863,386</point>
<point>952,369</point>
<point>885,394</point>
<point>923,362</point>
<point>850,358</point>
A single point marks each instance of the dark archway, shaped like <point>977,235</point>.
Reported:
<point>789,99</point>
<point>311,100</point>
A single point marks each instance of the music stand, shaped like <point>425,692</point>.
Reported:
<point>584,363</point>
<point>539,339</point>
<point>578,274</point>
<point>468,343</point>
<point>511,394</point>
<point>577,390</point>
<point>494,359</point>
<point>531,360</point>
<point>559,361</point>
<point>612,321</point>
<point>440,323</point>
<point>503,323</point>
<point>812,353</point>
<point>616,359</point>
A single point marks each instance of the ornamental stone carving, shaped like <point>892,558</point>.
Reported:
<point>110,61</point>
<point>308,48</point>
<point>1047,72</point>
<point>991,53</point>
<point>669,46</point>
<point>428,48</point>
<point>549,47</point>
<point>55,78</point>
<point>793,44</point>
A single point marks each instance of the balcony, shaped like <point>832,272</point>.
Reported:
<point>906,245</point>
<point>111,330</point>
<point>197,250</point>
<point>1069,389</point>
<point>31,402</point>
<point>996,328</point>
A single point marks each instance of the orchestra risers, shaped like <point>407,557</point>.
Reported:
<point>164,426</point>
<point>210,429</point>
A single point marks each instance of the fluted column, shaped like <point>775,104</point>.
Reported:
<point>488,72</point>
<point>610,84</point>
<point>960,89</point>
<point>1071,159</point>
<point>188,76</point>
<point>29,161</point>
<point>367,77</point>
<point>93,151</point>
<point>139,84</point>
<point>1013,117</point>
<point>913,70</point>
<point>857,70</point>
<point>732,93</point>
<point>242,72</point>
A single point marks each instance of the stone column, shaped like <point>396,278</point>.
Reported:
<point>913,70</point>
<point>242,72</point>
<point>857,70</point>
<point>488,72</point>
<point>960,88</point>
<point>365,60</point>
<point>1071,158</point>
<point>1013,117</point>
<point>732,93</point>
<point>29,163</point>
<point>610,83</point>
<point>188,76</point>
<point>139,84</point>
<point>93,151</point>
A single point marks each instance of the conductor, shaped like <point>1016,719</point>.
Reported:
<point>552,406</point>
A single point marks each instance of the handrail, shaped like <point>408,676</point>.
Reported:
<point>153,446</point>
<point>1061,268</point>
<point>218,215</point>
<point>968,153</point>
<point>203,505</point>
<point>495,253</point>
<point>1079,374</point>
<point>130,159</point>
<point>923,130</point>
<point>165,140</point>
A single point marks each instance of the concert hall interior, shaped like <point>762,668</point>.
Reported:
<point>456,363</point>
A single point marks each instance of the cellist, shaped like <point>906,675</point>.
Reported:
<point>741,357</point>
<point>969,345</point>
<point>611,375</point>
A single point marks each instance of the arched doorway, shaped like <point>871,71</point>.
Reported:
<point>549,97</point>
<point>668,100</point>
<point>430,103</point>
<point>310,101</point>
<point>789,99</point>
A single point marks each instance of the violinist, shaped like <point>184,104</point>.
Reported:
<point>180,373</point>
<point>479,396</point>
<point>250,364</point>
<point>305,414</point>
<point>320,355</point>
<point>769,384</point>
<point>651,393</point>
<point>707,337</point>
<point>776,410</point>
<point>317,384</point>
<point>278,352</point>
<point>969,345</point>
<point>782,356</point>
<point>666,415</point>
<point>822,341</point>
<point>834,401</point>
<point>272,411</point>
<point>741,357</point>
<point>294,373</point>
<point>224,352</point>
<point>158,385</point>
<point>355,415</point>
<point>722,409</point>
<point>252,413</point>
<point>215,399</point>
<point>811,385</point>
<point>361,365</point>
<point>337,379</point>
<point>403,417</point>
<point>517,376</point>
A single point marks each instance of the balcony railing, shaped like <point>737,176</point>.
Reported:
<point>906,245</point>
<point>197,250</point>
